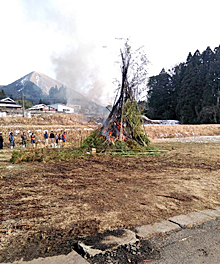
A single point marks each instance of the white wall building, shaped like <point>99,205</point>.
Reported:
<point>63,108</point>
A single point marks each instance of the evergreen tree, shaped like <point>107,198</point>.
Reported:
<point>190,92</point>
<point>57,95</point>
<point>160,96</point>
<point>27,104</point>
<point>188,102</point>
<point>2,94</point>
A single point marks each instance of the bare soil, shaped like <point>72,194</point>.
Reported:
<point>45,207</point>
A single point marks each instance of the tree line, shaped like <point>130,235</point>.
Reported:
<point>189,92</point>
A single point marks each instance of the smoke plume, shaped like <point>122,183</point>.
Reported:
<point>77,54</point>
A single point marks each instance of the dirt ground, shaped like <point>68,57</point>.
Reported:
<point>45,207</point>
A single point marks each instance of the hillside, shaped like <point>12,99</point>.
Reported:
<point>38,87</point>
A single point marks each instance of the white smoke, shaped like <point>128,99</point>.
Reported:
<point>77,54</point>
<point>81,69</point>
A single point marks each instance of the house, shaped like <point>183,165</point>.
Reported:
<point>63,108</point>
<point>41,107</point>
<point>8,104</point>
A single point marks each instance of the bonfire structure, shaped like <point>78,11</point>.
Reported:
<point>124,122</point>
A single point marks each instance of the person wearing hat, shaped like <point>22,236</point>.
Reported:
<point>1,141</point>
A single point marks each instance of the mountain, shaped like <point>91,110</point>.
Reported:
<point>37,87</point>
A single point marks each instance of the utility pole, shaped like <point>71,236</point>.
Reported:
<point>23,102</point>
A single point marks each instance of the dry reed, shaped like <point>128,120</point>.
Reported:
<point>178,131</point>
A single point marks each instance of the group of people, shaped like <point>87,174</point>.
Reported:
<point>55,139</point>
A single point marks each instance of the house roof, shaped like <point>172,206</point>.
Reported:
<point>9,103</point>
<point>40,106</point>
<point>7,100</point>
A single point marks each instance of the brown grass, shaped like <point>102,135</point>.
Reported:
<point>73,124</point>
<point>77,129</point>
<point>43,119</point>
<point>47,205</point>
<point>172,131</point>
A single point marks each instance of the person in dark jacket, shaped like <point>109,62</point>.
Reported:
<point>1,141</point>
<point>24,140</point>
<point>12,140</point>
<point>52,137</point>
<point>46,138</point>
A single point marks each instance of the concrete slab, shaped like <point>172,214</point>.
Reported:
<point>89,250</point>
<point>211,213</point>
<point>108,242</point>
<point>129,237</point>
<point>217,208</point>
<point>71,258</point>
<point>190,219</point>
<point>147,231</point>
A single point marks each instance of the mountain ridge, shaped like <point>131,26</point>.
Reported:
<point>36,87</point>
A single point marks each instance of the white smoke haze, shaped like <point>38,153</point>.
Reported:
<point>85,48</point>
<point>79,59</point>
<point>79,68</point>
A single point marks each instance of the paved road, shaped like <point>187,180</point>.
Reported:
<point>200,244</point>
<point>196,245</point>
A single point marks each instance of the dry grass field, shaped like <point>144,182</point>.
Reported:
<point>78,129</point>
<point>179,131</point>
<point>46,206</point>
<point>73,124</point>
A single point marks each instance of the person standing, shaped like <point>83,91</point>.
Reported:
<point>33,140</point>
<point>24,140</point>
<point>64,138</point>
<point>52,136</point>
<point>60,140</point>
<point>1,141</point>
<point>56,139</point>
<point>12,140</point>
<point>46,138</point>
